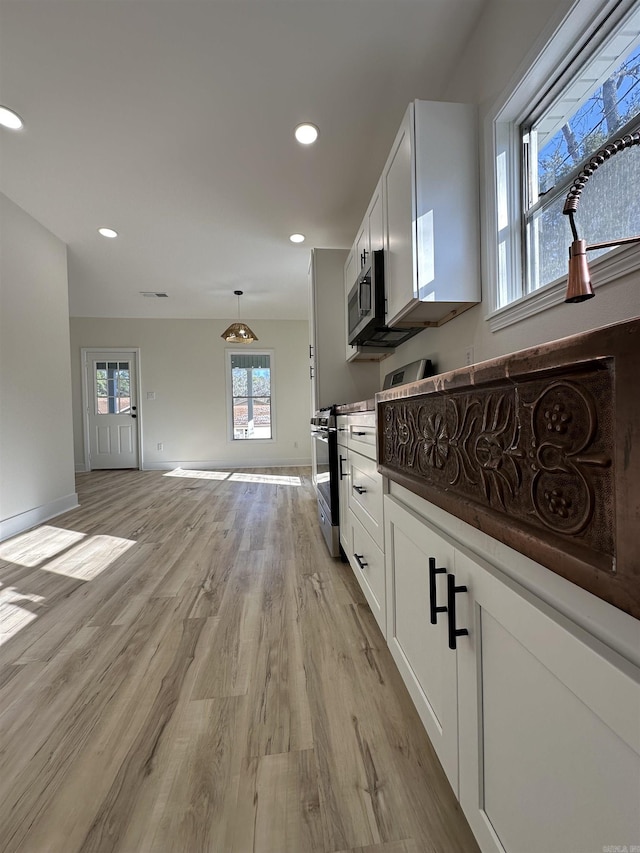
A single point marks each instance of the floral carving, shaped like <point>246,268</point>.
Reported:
<point>436,441</point>
<point>557,503</point>
<point>524,448</point>
<point>494,450</point>
<point>557,418</point>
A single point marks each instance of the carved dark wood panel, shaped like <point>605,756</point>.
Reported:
<point>539,449</point>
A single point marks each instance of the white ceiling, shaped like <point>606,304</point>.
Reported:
<point>172,122</point>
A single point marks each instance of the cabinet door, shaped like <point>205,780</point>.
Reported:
<point>367,562</point>
<point>312,338</point>
<point>365,495</point>
<point>375,220</point>
<point>363,247</point>
<point>419,647</point>
<point>549,725</point>
<point>399,206</point>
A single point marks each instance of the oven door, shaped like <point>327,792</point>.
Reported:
<point>325,468</point>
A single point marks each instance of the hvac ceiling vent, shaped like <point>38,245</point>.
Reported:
<point>152,295</point>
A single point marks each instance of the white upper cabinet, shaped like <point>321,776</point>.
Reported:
<point>362,249</point>
<point>374,219</point>
<point>430,213</point>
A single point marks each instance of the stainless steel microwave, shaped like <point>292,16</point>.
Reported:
<point>366,307</point>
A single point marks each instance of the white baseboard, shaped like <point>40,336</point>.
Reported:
<point>226,464</point>
<point>81,468</point>
<point>32,517</point>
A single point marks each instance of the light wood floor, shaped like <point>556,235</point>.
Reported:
<point>184,668</point>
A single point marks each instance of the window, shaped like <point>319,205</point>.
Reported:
<point>543,136</point>
<point>113,394</point>
<point>251,389</point>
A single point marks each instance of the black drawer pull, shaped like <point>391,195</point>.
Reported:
<point>452,591</point>
<point>360,561</point>
<point>358,433</point>
<point>433,608</point>
<point>360,490</point>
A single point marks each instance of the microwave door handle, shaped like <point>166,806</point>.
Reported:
<point>364,296</point>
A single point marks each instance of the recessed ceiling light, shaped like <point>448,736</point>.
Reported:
<point>10,119</point>
<point>108,232</point>
<point>306,133</point>
<point>297,238</point>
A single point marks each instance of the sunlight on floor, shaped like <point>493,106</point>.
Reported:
<point>13,617</point>
<point>198,475</point>
<point>38,545</point>
<point>90,558</point>
<point>239,476</point>
<point>273,479</point>
<point>56,551</point>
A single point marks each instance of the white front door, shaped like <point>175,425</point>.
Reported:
<point>112,409</point>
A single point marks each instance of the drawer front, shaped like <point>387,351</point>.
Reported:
<point>362,433</point>
<point>367,562</point>
<point>366,495</point>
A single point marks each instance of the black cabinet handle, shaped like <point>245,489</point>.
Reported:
<point>134,416</point>
<point>311,373</point>
<point>360,561</point>
<point>452,591</point>
<point>359,433</point>
<point>360,490</point>
<point>433,607</point>
<point>341,459</point>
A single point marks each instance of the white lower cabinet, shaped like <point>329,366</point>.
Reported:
<point>365,495</point>
<point>361,509</point>
<point>420,647</point>
<point>535,721</point>
<point>367,561</point>
<point>549,723</point>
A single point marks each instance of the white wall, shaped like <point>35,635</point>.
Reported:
<point>36,448</point>
<point>505,40</point>
<point>183,361</point>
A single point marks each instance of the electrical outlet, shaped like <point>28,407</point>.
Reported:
<point>468,356</point>
<point>160,445</point>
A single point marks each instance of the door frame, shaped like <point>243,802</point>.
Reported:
<point>87,398</point>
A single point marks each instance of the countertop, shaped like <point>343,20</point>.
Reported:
<point>539,449</point>
<point>354,408</point>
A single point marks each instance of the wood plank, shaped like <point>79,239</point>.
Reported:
<point>212,682</point>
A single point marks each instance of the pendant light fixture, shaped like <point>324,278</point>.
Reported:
<point>239,333</point>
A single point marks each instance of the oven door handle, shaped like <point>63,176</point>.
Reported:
<point>341,459</point>
<point>321,436</point>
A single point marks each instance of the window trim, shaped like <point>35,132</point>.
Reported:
<point>501,137</point>
<point>228,352</point>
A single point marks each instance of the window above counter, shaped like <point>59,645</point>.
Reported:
<point>578,93</point>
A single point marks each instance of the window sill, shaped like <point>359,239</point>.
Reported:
<point>608,268</point>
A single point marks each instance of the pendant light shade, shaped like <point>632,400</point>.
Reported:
<point>239,333</point>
